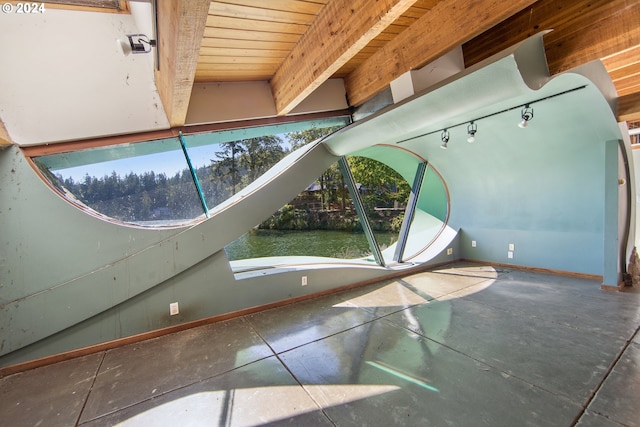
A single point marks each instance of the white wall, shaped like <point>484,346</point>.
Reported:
<point>415,81</point>
<point>65,77</point>
<point>232,101</point>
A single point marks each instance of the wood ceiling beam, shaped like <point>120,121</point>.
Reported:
<point>628,85</point>
<point>583,31</point>
<point>449,24</point>
<point>629,108</point>
<point>595,35</point>
<point>624,70</point>
<point>621,60</point>
<point>181,26</point>
<point>340,30</point>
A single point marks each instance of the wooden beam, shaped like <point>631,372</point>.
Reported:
<point>340,30</point>
<point>602,32</point>
<point>447,25</point>
<point>622,59</point>
<point>181,26</point>
<point>628,85</point>
<point>583,31</point>
<point>629,108</point>
<point>624,70</point>
<point>84,144</point>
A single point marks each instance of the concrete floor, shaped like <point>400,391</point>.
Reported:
<point>466,345</point>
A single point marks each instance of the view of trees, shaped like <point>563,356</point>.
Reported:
<point>239,163</point>
<point>384,187</point>
<point>136,198</point>
<point>151,196</point>
<point>328,206</point>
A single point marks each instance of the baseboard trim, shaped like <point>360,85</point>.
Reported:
<point>132,339</point>
<point>538,269</point>
<point>120,342</point>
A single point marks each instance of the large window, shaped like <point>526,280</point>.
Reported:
<point>381,205</point>
<point>321,221</point>
<point>176,180</point>
<point>147,183</point>
<point>326,221</point>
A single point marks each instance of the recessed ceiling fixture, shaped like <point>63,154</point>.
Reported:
<point>471,132</point>
<point>136,43</point>
<point>526,114</point>
<point>445,139</point>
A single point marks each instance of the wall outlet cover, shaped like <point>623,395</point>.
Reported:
<point>174,309</point>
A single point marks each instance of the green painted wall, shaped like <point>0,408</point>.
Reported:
<point>69,279</point>
<point>541,188</point>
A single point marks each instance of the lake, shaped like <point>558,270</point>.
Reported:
<point>326,243</point>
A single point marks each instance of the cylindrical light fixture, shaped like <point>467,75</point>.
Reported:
<point>445,139</point>
<point>526,114</point>
<point>471,132</point>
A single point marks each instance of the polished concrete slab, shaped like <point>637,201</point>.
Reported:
<point>262,392</point>
<point>625,377</point>
<point>570,364</point>
<point>466,344</point>
<point>138,372</point>
<point>52,395</point>
<point>406,379</point>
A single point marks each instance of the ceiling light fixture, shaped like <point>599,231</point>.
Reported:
<point>445,139</point>
<point>526,114</point>
<point>471,131</point>
<point>137,43</point>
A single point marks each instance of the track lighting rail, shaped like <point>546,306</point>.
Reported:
<point>525,105</point>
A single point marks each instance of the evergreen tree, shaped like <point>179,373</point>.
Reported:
<point>228,164</point>
<point>260,154</point>
<point>303,137</point>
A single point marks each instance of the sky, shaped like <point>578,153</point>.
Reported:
<point>169,163</point>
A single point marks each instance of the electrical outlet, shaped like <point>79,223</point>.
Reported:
<point>510,254</point>
<point>450,251</point>
<point>473,243</point>
<point>304,280</point>
<point>174,309</point>
<point>512,247</point>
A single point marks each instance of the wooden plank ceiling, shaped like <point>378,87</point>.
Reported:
<point>249,39</point>
<point>298,44</point>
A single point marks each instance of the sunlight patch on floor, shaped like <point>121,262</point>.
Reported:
<point>392,295</point>
<point>420,288</point>
<point>251,406</point>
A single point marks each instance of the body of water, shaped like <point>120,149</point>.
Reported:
<point>325,243</point>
